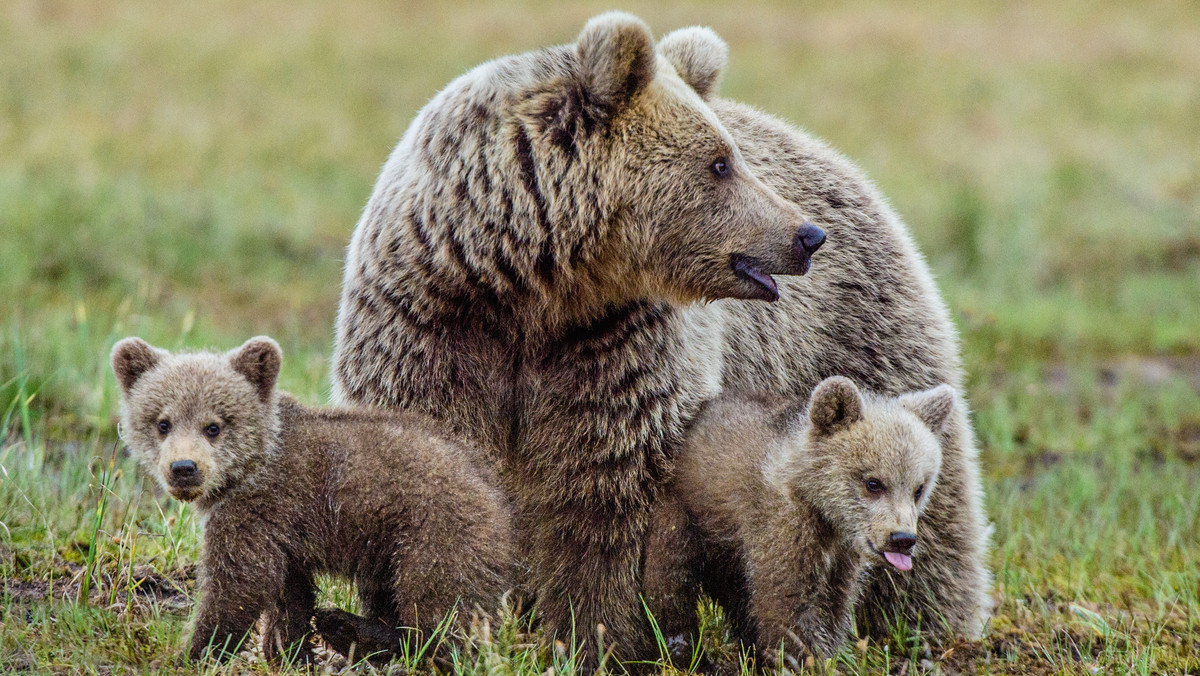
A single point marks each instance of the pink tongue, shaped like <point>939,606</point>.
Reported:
<point>900,561</point>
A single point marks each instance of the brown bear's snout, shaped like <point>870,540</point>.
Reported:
<point>808,239</point>
<point>902,542</point>
<point>185,474</point>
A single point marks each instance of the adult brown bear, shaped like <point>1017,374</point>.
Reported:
<point>531,270</point>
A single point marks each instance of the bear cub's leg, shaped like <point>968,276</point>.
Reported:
<point>286,631</point>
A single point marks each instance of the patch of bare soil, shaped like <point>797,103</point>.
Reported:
<point>140,586</point>
<point>1187,441</point>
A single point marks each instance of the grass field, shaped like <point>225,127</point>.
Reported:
<point>190,173</point>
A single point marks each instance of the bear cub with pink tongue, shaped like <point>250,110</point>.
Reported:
<point>777,511</point>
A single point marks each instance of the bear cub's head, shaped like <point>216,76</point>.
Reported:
<point>198,422</point>
<point>869,464</point>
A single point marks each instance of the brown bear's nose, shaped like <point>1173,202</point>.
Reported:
<point>902,542</point>
<point>183,470</point>
<point>809,238</point>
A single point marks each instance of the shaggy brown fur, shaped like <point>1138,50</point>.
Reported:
<point>526,272</point>
<point>286,491</point>
<point>870,311</point>
<point>509,277</point>
<point>780,510</point>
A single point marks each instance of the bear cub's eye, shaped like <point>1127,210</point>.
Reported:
<point>212,431</point>
<point>721,168</point>
<point>919,493</point>
<point>875,486</point>
<point>164,426</point>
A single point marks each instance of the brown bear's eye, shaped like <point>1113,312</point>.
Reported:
<point>164,426</point>
<point>919,493</point>
<point>721,168</point>
<point>212,431</point>
<point>875,486</point>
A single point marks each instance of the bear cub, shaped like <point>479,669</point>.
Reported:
<point>286,491</point>
<point>777,512</point>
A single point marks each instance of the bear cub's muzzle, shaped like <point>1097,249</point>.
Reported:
<point>184,479</point>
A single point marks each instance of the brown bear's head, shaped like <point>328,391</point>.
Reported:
<point>583,175</point>
<point>869,464</point>
<point>198,422</point>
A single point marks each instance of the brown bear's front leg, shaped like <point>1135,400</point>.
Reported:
<point>377,600</point>
<point>601,415</point>
<point>946,592</point>
<point>670,580</point>
<point>241,574</point>
<point>587,565</point>
<point>224,620</point>
<point>286,630</point>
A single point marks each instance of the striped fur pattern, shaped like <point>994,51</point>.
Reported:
<point>518,263</point>
<point>535,269</point>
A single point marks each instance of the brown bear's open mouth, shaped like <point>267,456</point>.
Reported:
<point>749,269</point>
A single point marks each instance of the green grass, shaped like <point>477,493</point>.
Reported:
<point>191,173</point>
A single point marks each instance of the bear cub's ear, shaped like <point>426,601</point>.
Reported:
<point>258,359</point>
<point>698,54</point>
<point>836,404</point>
<point>931,406</point>
<point>131,358</point>
<point>616,56</point>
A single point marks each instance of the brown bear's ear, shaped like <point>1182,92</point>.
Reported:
<point>616,57</point>
<point>931,406</point>
<point>258,359</point>
<point>699,56</point>
<point>131,358</point>
<point>835,404</point>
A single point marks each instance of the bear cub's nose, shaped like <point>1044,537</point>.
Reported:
<point>184,471</point>
<point>902,542</point>
<point>809,238</point>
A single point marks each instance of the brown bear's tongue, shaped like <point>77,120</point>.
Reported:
<point>747,268</point>
<point>900,561</point>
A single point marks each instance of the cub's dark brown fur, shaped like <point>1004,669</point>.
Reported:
<point>287,491</point>
<point>778,512</point>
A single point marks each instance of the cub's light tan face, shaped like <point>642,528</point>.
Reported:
<point>896,489</point>
<point>879,476</point>
<point>875,463</point>
<point>196,422</point>
<point>191,421</point>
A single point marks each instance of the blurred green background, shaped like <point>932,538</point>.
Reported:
<point>191,173</point>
